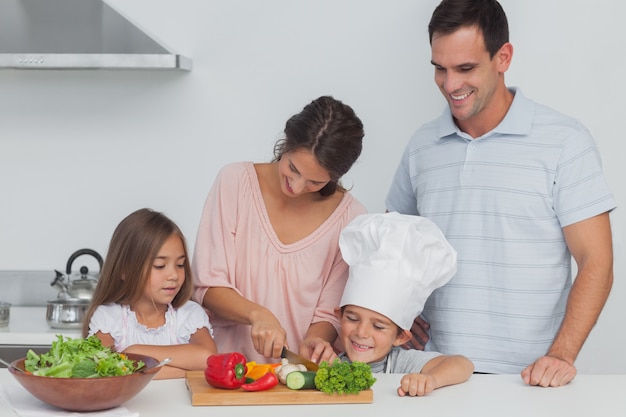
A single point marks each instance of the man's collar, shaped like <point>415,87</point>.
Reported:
<point>517,121</point>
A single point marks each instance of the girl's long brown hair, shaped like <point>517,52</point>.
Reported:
<point>127,266</point>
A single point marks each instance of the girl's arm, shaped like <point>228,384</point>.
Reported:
<point>169,372</point>
<point>438,372</point>
<point>188,356</point>
<point>106,339</point>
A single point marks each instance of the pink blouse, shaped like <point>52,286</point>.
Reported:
<point>236,247</point>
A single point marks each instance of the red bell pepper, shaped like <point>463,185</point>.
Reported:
<point>267,381</point>
<point>226,370</point>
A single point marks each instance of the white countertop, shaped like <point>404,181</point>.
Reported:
<point>27,326</point>
<point>482,395</point>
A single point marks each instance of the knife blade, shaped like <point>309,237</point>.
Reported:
<point>293,357</point>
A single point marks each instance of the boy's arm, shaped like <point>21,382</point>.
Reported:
<point>448,369</point>
<point>438,372</point>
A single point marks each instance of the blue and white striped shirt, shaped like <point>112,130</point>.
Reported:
<point>502,200</point>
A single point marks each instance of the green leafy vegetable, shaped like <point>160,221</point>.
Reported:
<point>79,358</point>
<point>344,377</point>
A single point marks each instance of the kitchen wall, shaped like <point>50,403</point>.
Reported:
<point>79,150</point>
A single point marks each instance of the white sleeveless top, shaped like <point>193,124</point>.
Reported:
<point>120,322</point>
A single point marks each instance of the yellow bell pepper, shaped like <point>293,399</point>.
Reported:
<point>257,370</point>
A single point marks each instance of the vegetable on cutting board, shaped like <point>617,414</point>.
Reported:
<point>257,370</point>
<point>285,368</point>
<point>344,377</point>
<point>267,381</point>
<point>226,370</point>
<point>301,380</point>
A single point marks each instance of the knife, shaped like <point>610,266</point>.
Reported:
<point>295,358</point>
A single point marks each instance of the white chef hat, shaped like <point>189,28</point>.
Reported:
<point>396,261</point>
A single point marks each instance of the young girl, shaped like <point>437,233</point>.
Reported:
<point>142,300</point>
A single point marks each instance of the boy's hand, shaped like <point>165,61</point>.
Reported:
<point>416,385</point>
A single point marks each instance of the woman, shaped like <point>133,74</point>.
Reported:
<point>266,263</point>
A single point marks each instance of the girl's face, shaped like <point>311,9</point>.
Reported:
<point>300,173</point>
<point>368,336</point>
<point>168,272</point>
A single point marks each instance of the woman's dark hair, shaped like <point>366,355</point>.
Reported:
<point>331,131</point>
<point>487,15</point>
<point>135,244</point>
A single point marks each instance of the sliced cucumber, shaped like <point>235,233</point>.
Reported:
<point>301,380</point>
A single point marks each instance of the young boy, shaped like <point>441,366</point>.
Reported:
<point>396,261</point>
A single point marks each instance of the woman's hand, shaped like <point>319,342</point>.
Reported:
<point>268,336</point>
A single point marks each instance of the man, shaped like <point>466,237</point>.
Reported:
<point>518,190</point>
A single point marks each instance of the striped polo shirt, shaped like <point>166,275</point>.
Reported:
<point>502,200</point>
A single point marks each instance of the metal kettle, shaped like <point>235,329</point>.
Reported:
<point>81,288</point>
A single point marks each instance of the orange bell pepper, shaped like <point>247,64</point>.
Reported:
<point>257,370</point>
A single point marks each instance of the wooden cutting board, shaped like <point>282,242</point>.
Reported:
<point>204,394</point>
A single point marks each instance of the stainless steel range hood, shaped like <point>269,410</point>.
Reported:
<point>77,34</point>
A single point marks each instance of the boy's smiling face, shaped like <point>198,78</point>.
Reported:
<point>368,336</point>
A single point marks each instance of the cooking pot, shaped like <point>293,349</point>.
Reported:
<point>66,314</point>
<point>70,307</point>
<point>83,286</point>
